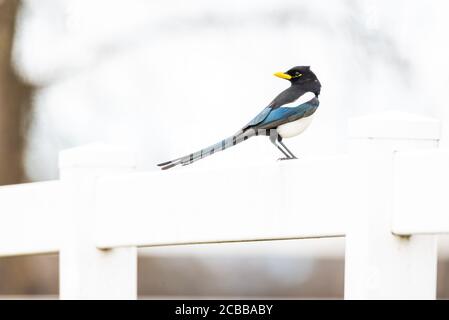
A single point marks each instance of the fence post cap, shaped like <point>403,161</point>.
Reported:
<point>394,124</point>
<point>97,155</point>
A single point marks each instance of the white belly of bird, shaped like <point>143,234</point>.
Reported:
<point>294,128</point>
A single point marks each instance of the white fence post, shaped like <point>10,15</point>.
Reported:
<point>379,264</point>
<point>85,271</point>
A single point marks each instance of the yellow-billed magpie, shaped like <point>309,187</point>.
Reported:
<point>288,115</point>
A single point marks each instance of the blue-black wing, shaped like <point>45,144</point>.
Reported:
<point>271,118</point>
<point>259,118</point>
<point>289,95</point>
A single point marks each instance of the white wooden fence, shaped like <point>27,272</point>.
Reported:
<point>387,196</point>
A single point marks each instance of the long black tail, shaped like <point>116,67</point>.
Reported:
<point>220,146</point>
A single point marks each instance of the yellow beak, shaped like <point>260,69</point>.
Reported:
<point>283,75</point>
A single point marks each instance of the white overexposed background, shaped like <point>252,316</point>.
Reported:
<point>170,77</point>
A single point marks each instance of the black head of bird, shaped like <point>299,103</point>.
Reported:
<point>297,75</point>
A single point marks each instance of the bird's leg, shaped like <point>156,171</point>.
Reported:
<point>287,157</point>
<point>285,147</point>
<point>274,140</point>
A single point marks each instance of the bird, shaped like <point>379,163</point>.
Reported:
<point>288,115</point>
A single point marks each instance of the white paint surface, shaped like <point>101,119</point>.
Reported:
<point>87,272</point>
<point>420,192</point>
<point>31,218</point>
<point>379,264</point>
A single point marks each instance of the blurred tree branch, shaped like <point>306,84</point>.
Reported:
<point>14,100</point>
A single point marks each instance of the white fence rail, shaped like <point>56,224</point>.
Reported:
<point>382,196</point>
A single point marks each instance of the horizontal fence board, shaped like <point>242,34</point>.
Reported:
<point>305,198</point>
<point>421,192</point>
<point>30,218</point>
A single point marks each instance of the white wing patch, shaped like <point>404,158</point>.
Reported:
<point>306,97</point>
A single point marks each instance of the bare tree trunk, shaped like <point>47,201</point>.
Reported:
<point>14,100</point>
<point>17,275</point>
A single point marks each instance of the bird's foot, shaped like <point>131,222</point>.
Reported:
<point>280,159</point>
